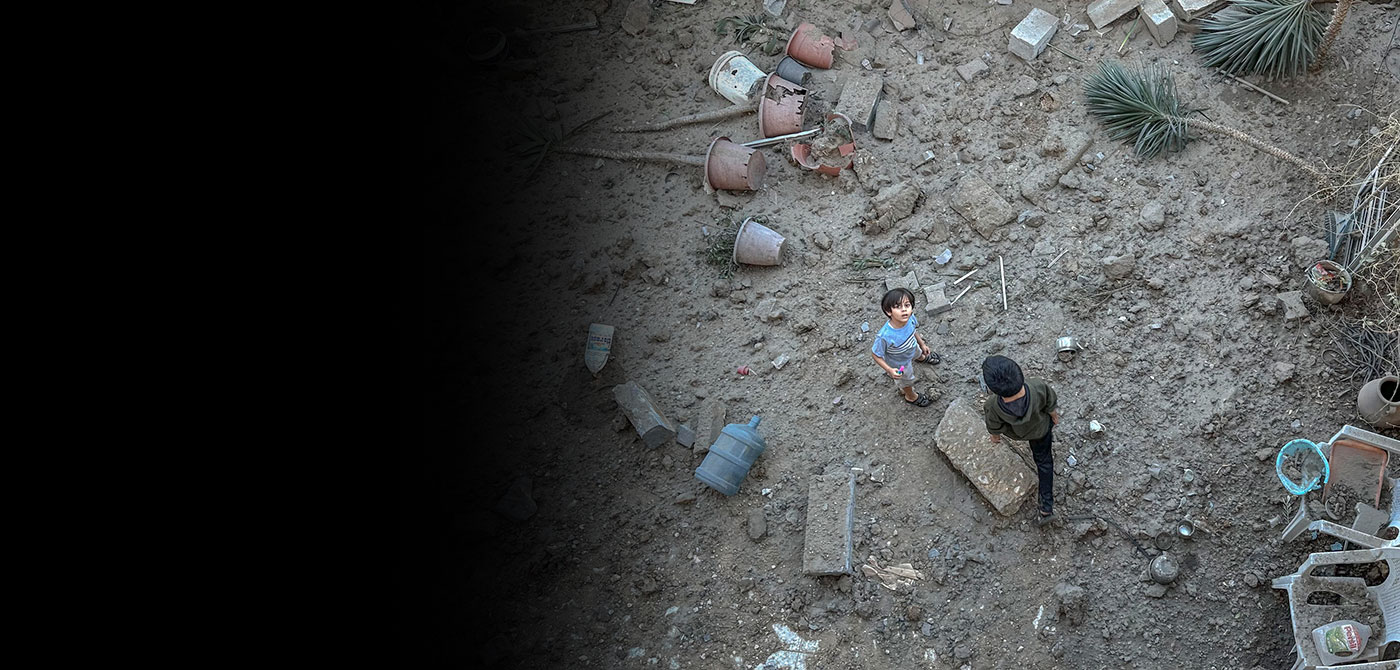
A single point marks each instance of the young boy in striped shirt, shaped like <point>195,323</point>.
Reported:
<point>897,345</point>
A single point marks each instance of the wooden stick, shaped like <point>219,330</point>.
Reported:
<point>1062,51</point>
<point>1003,283</point>
<point>1130,33</point>
<point>733,110</point>
<point>1253,87</point>
<point>965,290</point>
<point>969,274</point>
<point>1052,263</point>
<point>654,156</point>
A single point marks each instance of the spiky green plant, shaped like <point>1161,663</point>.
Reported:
<point>1273,37</point>
<point>1140,104</point>
<point>752,27</point>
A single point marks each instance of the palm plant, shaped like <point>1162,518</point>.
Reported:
<point>751,28</point>
<point>1273,37</point>
<point>1141,105</point>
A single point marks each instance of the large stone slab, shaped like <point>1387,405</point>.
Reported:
<point>998,473</point>
<point>1105,12</point>
<point>980,204</point>
<point>711,422</point>
<point>831,510</point>
<point>859,98</point>
<point>651,424</point>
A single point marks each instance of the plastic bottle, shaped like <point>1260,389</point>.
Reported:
<point>1340,641</point>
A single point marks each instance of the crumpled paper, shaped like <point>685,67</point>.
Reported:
<point>892,577</point>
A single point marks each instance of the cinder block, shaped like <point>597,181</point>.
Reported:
<point>859,98</point>
<point>685,436</point>
<point>831,511</point>
<point>972,70</point>
<point>886,120</point>
<point>641,410</point>
<point>710,423</point>
<point>1161,22</point>
<point>1190,10</point>
<point>1105,12</point>
<point>935,299</point>
<point>1033,33</point>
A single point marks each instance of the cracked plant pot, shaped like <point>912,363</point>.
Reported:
<point>810,47</point>
<point>831,152</point>
<point>735,77</point>
<point>781,107</point>
<point>733,167</point>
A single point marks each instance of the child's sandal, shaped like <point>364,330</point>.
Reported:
<point>932,358</point>
<point>922,401</point>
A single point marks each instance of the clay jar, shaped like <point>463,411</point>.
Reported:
<point>780,109</point>
<point>1379,402</point>
<point>810,47</point>
<point>733,167</point>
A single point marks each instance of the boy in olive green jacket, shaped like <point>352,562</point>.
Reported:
<point>1023,409</point>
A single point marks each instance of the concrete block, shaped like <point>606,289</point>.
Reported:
<point>653,426</point>
<point>685,436</point>
<point>900,16</point>
<point>1190,10</point>
<point>710,423</point>
<point>977,202</point>
<point>1293,305</point>
<point>860,96</point>
<point>1161,22</point>
<point>1033,33</point>
<point>909,281</point>
<point>831,510</point>
<point>994,469</point>
<point>1104,12</point>
<point>935,299</point>
<point>972,70</point>
<point>886,120</point>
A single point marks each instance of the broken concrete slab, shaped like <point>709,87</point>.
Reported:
<point>936,299</point>
<point>1104,12</point>
<point>758,524</point>
<point>892,204</point>
<point>993,467</point>
<point>831,510</point>
<point>900,15</point>
<point>1119,267</point>
<point>685,436</point>
<point>970,71</point>
<point>710,423</point>
<point>1190,10</point>
<point>908,282</point>
<point>886,121</point>
<point>1293,305</point>
<point>1033,33</point>
<point>653,426</point>
<point>1024,86</point>
<point>859,98</point>
<point>637,17</point>
<point>1161,22</point>
<point>980,205</point>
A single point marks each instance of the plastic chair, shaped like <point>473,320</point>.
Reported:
<point>1301,521</point>
<point>1380,651</point>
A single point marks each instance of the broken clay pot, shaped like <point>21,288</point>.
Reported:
<point>810,47</point>
<point>1379,402</point>
<point>802,153</point>
<point>781,107</point>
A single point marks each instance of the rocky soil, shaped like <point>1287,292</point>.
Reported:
<point>557,539</point>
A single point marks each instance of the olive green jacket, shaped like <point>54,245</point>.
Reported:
<point>1035,424</point>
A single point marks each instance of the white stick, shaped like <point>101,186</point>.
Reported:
<point>1057,258</point>
<point>1003,283</point>
<point>969,274</point>
<point>1253,87</point>
<point>969,288</point>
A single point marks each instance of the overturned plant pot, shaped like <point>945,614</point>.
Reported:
<point>735,77</point>
<point>733,167</point>
<point>780,108</point>
<point>757,244</point>
<point>810,47</point>
<point>830,153</point>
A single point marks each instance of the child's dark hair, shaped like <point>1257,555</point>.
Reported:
<point>1002,375</point>
<point>895,296</point>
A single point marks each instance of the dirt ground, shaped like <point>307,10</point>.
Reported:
<point>627,561</point>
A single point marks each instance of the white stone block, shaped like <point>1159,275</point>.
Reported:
<point>1104,12</point>
<point>1033,33</point>
<point>1161,22</point>
<point>1190,10</point>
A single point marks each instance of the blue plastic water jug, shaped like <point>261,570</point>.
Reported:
<point>731,456</point>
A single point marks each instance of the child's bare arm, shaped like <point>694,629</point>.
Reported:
<point>883,365</point>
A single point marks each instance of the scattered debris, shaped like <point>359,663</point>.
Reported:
<point>1292,302</point>
<point>972,70</point>
<point>894,577</point>
<point>860,97</point>
<point>900,15</point>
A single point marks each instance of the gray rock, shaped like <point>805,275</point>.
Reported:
<point>1119,267</point>
<point>1071,180</point>
<point>767,311</point>
<point>1155,591</point>
<point>977,202</point>
<point>993,468</point>
<point>1070,602</point>
<point>822,240</point>
<point>758,524</point>
<point>860,96</point>
<point>685,436</point>
<point>972,70</point>
<point>1153,216</point>
<point>1033,218</point>
<point>1309,249</point>
<point>1283,371</point>
<point>637,17</point>
<point>1293,308</point>
<point>1024,86</point>
<point>935,301</point>
<point>909,282</point>
<point>711,422</point>
<point>653,426</point>
<point>892,204</point>
<point>886,120</point>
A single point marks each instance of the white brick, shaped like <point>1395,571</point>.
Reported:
<point>1190,10</point>
<point>1161,22</point>
<point>1105,12</point>
<point>1033,33</point>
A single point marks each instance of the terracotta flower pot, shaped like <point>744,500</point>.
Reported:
<point>802,153</point>
<point>780,107</point>
<point>757,244</point>
<point>1379,402</point>
<point>810,47</point>
<point>733,167</point>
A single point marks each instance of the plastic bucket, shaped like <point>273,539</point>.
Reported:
<point>731,456</point>
<point>735,77</point>
<point>1302,451</point>
<point>1324,296</point>
<point>757,244</point>
<point>793,71</point>
<point>810,47</point>
<point>733,167</point>
<point>780,107</point>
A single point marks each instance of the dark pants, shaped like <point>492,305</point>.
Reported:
<point>1045,469</point>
